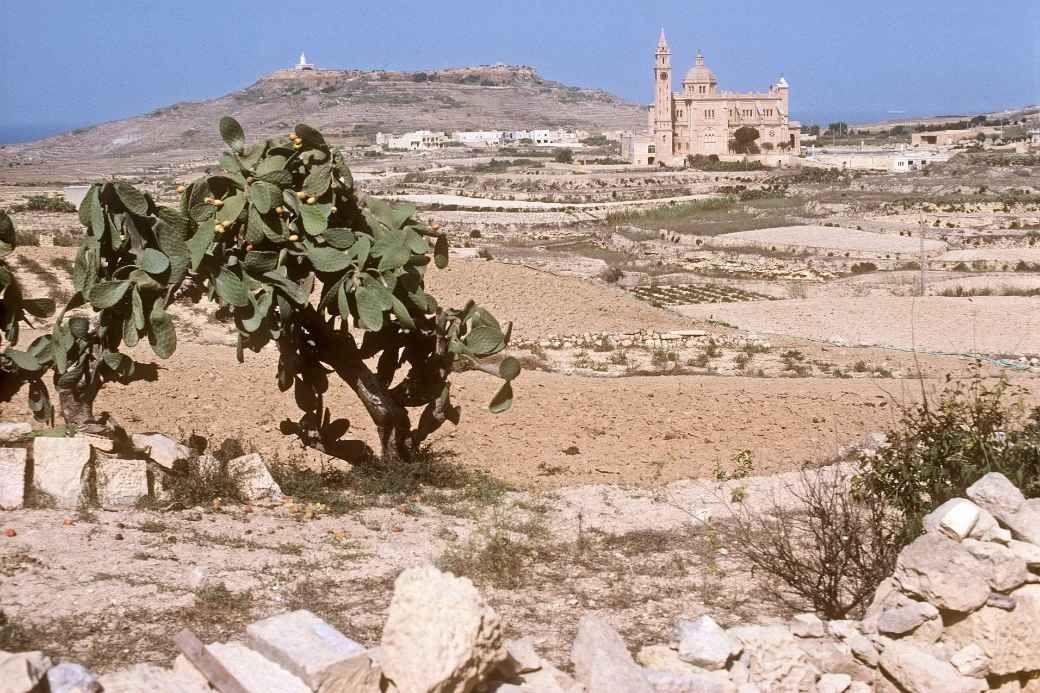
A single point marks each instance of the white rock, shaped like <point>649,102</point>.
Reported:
<point>905,619</point>
<point>256,673</point>
<point>705,682</point>
<point>774,657</point>
<point>833,683</point>
<point>997,494</point>
<point>257,482</point>
<point>70,677</point>
<point>12,477</point>
<point>1030,553</point>
<point>970,661</point>
<point>148,678</point>
<point>20,672</point>
<point>601,660</point>
<point>704,644</point>
<point>807,626</point>
<point>440,636</point>
<point>917,671</point>
<point>958,522</point>
<point>302,644</point>
<point>60,469</point>
<point>943,572</point>
<point>1007,637</point>
<point>1006,569</point>
<point>521,658</point>
<point>162,449</point>
<point>11,431</point>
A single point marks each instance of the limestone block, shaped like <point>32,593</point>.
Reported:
<point>943,572</point>
<point>1024,523</point>
<point>997,494</point>
<point>60,468</point>
<point>440,636</point>
<point>521,658</point>
<point>1008,638</point>
<point>120,483</point>
<point>705,682</point>
<point>256,673</point>
<point>148,678</point>
<point>302,644</point>
<point>960,520</point>
<point>361,674</point>
<point>1030,553</point>
<point>774,658</point>
<point>164,450</point>
<point>21,672</point>
<point>69,677</point>
<point>970,661</point>
<point>905,619</point>
<point>256,479</point>
<point>11,431</point>
<point>1006,569</point>
<point>703,643</point>
<point>807,626</point>
<point>12,477</point>
<point>601,659</point>
<point>833,683</point>
<point>917,671</point>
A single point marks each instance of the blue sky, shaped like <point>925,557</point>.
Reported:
<point>68,63</point>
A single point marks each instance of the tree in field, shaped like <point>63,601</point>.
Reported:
<point>564,156</point>
<point>282,239</point>
<point>744,140</point>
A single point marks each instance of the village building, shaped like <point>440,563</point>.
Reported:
<point>303,64</point>
<point>419,140</point>
<point>702,119</point>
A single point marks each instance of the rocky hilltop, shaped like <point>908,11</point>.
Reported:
<point>346,103</point>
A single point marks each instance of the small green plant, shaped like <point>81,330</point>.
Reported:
<point>940,448</point>
<point>663,358</point>
<point>712,350</point>
<point>618,357</point>
<point>743,467</point>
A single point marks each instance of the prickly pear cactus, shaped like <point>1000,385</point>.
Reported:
<point>281,238</point>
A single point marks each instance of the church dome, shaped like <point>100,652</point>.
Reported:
<point>699,72</point>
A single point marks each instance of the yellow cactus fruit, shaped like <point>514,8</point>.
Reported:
<point>293,237</point>
<point>311,200</point>
<point>301,195</point>
<point>279,210</point>
<point>181,188</point>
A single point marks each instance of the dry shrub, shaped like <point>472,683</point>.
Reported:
<point>822,551</point>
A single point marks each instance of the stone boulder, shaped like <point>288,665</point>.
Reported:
<point>774,658</point>
<point>256,480</point>
<point>943,572</point>
<point>703,643</point>
<point>601,660</point>
<point>1008,638</point>
<point>996,494</point>
<point>12,431</point>
<point>440,636</point>
<point>23,672</point>
<point>164,450</point>
<point>120,483</point>
<point>916,671</point>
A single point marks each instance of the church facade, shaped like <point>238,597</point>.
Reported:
<point>702,119</point>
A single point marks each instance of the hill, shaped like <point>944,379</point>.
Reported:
<point>345,103</point>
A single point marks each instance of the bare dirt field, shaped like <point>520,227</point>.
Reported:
<point>832,238</point>
<point>980,325</point>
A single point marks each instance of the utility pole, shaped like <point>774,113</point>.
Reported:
<point>923,261</point>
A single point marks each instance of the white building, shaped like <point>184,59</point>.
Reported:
<point>545,138</point>
<point>639,149</point>
<point>419,140</point>
<point>479,138</point>
<point>303,64</point>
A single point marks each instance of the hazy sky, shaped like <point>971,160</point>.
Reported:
<point>66,63</point>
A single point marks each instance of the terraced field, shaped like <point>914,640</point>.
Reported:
<point>682,294</point>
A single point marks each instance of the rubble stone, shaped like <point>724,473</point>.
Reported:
<point>21,672</point>
<point>997,494</point>
<point>807,626</point>
<point>439,636</point>
<point>601,660</point>
<point>703,643</point>
<point>148,678</point>
<point>12,477</point>
<point>164,450</point>
<point>943,572</point>
<point>905,619</point>
<point>1007,637</point>
<point>11,431</point>
<point>257,482</point>
<point>59,468</point>
<point>361,674</point>
<point>970,661</point>
<point>774,658</point>
<point>833,683</point>
<point>69,677</point>
<point>917,671</point>
<point>302,644</point>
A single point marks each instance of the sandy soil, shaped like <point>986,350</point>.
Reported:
<point>984,324</point>
<point>540,303</point>
<point>830,238</point>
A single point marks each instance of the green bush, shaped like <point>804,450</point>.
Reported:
<point>941,448</point>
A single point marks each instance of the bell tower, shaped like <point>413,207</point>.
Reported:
<point>663,117</point>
